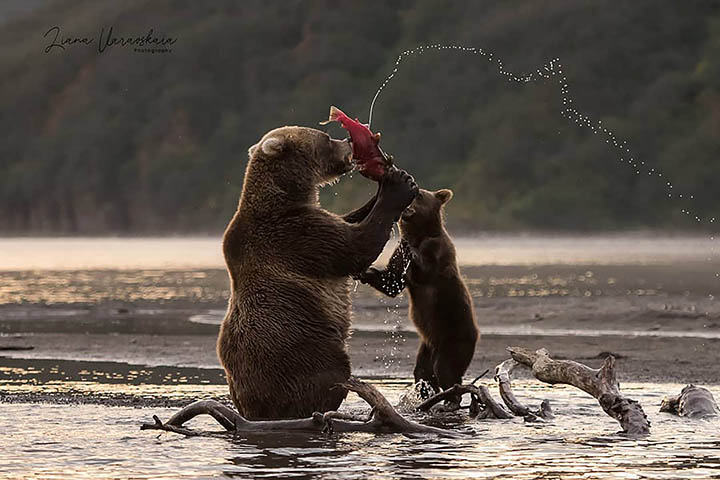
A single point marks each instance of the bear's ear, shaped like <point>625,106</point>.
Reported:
<point>444,195</point>
<point>272,146</point>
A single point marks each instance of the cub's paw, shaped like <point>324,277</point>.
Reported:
<point>369,276</point>
<point>399,188</point>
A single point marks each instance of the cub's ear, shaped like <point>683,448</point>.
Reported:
<point>272,146</point>
<point>444,195</point>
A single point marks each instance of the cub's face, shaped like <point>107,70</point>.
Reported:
<point>306,151</point>
<point>426,206</point>
<point>424,215</point>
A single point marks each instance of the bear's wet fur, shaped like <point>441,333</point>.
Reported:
<point>290,262</point>
<point>441,307</point>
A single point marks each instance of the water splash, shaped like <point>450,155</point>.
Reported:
<point>549,70</point>
<point>414,396</point>
<point>395,336</point>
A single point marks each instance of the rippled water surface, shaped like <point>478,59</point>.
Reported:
<point>211,286</point>
<point>90,441</point>
<point>93,270</point>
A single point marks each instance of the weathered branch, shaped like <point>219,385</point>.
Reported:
<point>692,402</point>
<point>494,409</point>
<point>480,393</point>
<point>230,420</point>
<point>383,418</point>
<point>159,425</point>
<point>502,376</point>
<point>225,416</point>
<point>601,384</point>
<point>442,395</point>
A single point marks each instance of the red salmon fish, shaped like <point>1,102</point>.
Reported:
<point>371,161</point>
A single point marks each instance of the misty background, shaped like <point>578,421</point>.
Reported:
<point>136,143</point>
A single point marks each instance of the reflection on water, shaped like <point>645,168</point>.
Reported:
<point>95,270</point>
<point>211,286</point>
<point>202,253</point>
<point>90,441</point>
<point>96,286</point>
<point>73,253</point>
<point>582,250</point>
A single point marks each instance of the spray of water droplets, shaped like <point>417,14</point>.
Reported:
<point>554,70</point>
<point>395,338</point>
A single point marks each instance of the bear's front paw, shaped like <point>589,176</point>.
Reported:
<point>399,188</point>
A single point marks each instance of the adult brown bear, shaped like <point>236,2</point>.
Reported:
<point>290,262</point>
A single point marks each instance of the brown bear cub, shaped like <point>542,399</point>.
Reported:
<point>440,304</point>
<point>290,262</point>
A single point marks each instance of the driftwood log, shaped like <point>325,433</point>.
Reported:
<point>383,418</point>
<point>483,404</point>
<point>601,384</point>
<point>692,402</point>
<point>502,376</point>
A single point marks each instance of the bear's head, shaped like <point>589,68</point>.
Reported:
<point>300,158</point>
<point>423,218</point>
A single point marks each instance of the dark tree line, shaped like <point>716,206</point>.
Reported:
<point>151,143</point>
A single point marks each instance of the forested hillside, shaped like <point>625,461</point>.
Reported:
<point>126,142</point>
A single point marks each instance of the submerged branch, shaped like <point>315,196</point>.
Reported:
<point>693,401</point>
<point>502,376</point>
<point>480,394</point>
<point>601,384</point>
<point>383,418</point>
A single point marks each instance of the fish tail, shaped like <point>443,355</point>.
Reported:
<point>334,115</point>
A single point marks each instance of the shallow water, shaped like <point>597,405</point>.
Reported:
<point>92,441</point>
<point>52,271</point>
<point>178,286</point>
<point>77,253</point>
<point>209,287</point>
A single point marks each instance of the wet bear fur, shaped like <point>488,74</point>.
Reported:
<point>440,304</point>
<point>290,262</point>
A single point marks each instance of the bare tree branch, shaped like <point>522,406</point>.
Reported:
<point>502,376</point>
<point>601,384</point>
<point>481,393</point>
<point>383,418</point>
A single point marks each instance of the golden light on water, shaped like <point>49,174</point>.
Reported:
<point>93,286</point>
<point>102,442</point>
<point>49,254</point>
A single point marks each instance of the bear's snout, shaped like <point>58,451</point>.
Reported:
<point>343,151</point>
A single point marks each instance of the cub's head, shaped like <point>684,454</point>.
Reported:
<point>423,218</point>
<point>301,157</point>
